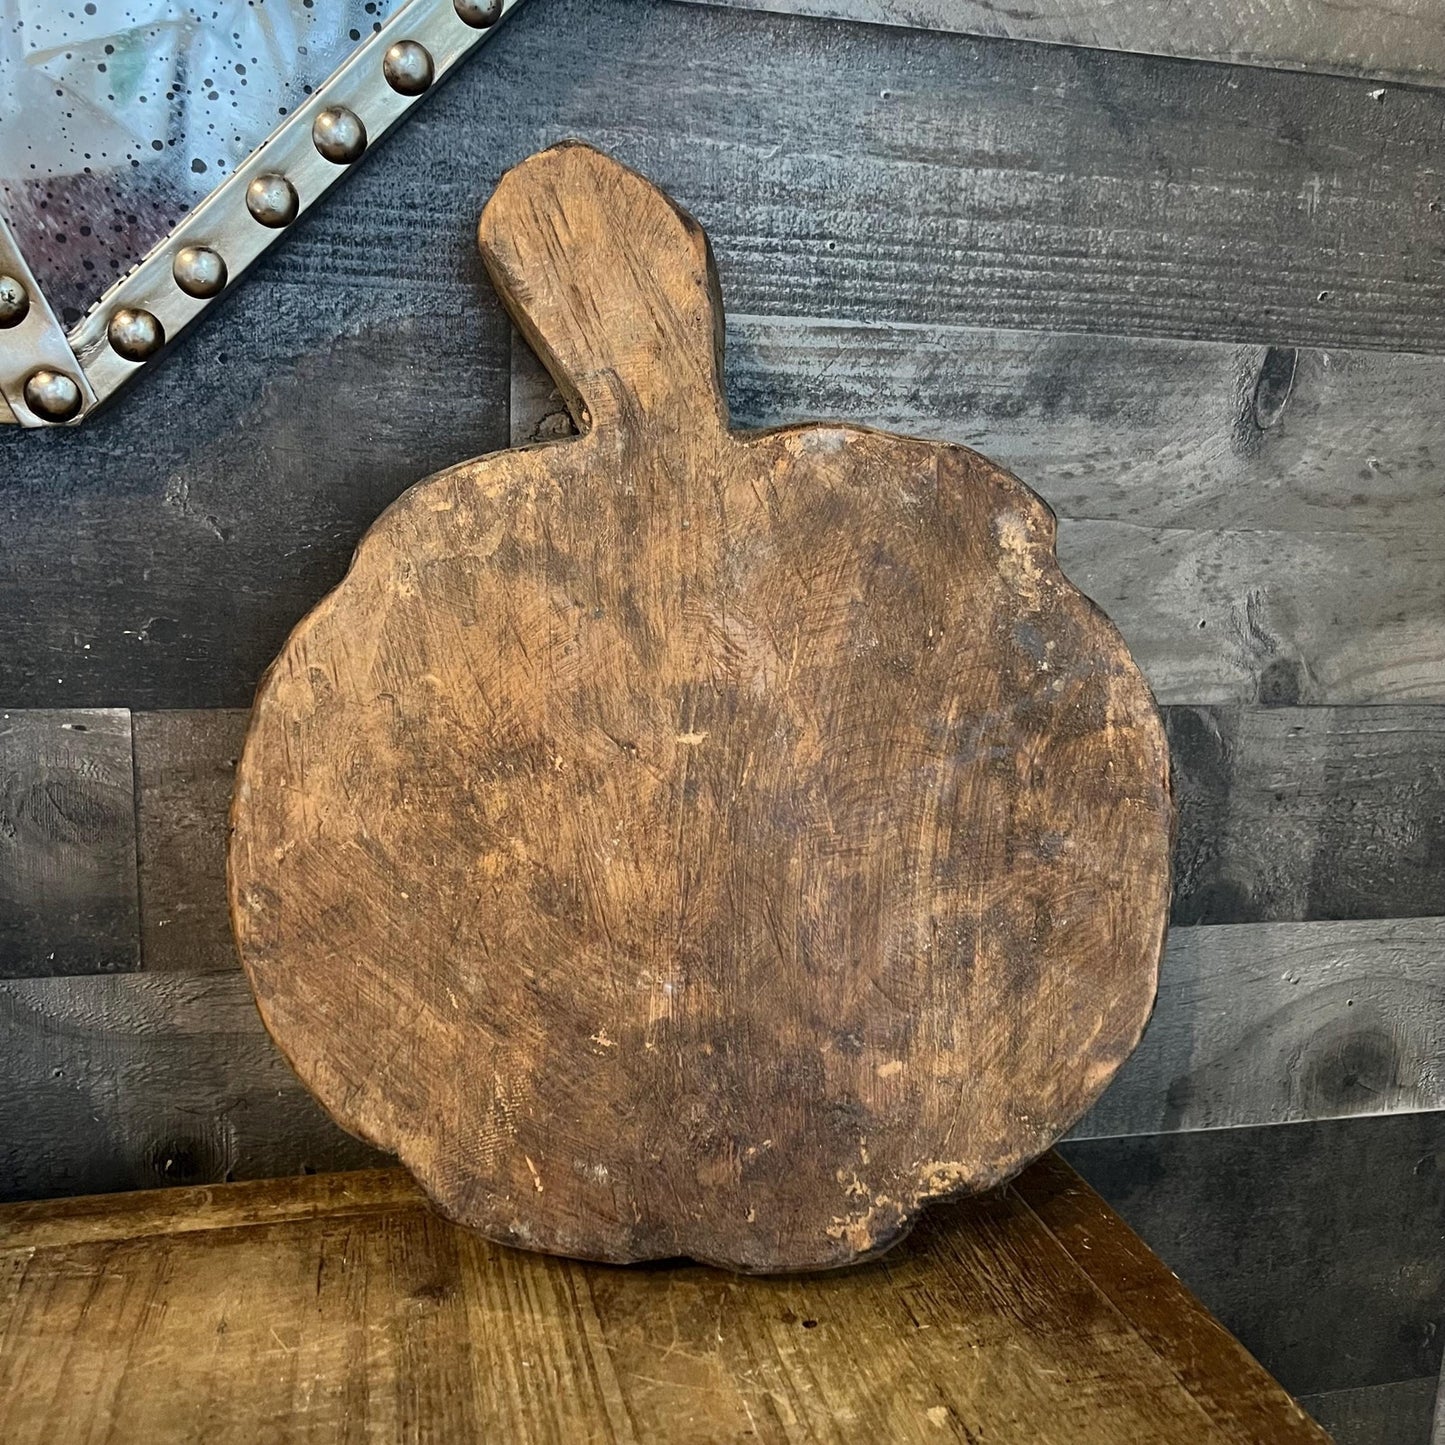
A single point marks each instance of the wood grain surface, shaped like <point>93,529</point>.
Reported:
<point>1150,431</point>
<point>345,1309</point>
<point>1385,39</point>
<point>185,770</point>
<point>1284,814</point>
<point>67,843</point>
<point>132,1081</point>
<point>1295,813</point>
<point>1263,1023</point>
<point>681,841</point>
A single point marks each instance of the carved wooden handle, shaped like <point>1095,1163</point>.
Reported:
<point>613,285</point>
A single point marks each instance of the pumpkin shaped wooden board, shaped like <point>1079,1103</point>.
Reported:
<point>681,841</point>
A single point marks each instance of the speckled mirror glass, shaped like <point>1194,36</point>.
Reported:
<point>118,116</point>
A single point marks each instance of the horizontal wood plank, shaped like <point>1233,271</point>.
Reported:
<point>1395,1414</point>
<point>1157,433</point>
<point>1383,39</point>
<point>1263,524</point>
<point>67,844</point>
<point>1317,1244</point>
<point>305,1328</point>
<point>180,1209</point>
<point>883,173</point>
<point>137,1080</point>
<point>1263,1023</point>
<point>158,555</point>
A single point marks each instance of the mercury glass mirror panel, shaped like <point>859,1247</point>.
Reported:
<point>151,149</point>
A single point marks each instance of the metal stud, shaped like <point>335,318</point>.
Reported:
<point>199,272</point>
<point>135,334</point>
<point>52,394</point>
<point>479,14</point>
<point>271,199</point>
<point>14,302</point>
<point>339,135</point>
<point>408,68</point>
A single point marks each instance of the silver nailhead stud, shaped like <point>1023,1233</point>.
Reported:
<point>479,14</point>
<point>339,135</point>
<point>135,334</point>
<point>271,199</point>
<point>199,272</point>
<point>52,395</point>
<point>407,67</point>
<point>14,302</point>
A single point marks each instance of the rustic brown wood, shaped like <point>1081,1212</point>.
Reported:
<point>681,841</point>
<point>344,1309</point>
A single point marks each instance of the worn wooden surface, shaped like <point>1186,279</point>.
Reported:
<point>140,1066</point>
<point>1154,432</point>
<point>104,1080</point>
<point>1285,814</point>
<point>345,1308</point>
<point>67,843</point>
<point>1384,39</point>
<point>766,806</point>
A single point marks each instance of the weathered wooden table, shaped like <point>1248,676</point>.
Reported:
<point>340,1307</point>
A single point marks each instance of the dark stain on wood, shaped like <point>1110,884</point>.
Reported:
<point>684,841</point>
<point>135,1081</point>
<point>1261,1023</point>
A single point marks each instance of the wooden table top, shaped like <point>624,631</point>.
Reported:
<point>341,1307</point>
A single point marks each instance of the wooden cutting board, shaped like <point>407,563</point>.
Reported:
<point>681,841</point>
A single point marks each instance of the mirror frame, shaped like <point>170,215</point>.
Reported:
<point>49,378</point>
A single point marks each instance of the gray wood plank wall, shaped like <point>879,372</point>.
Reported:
<point>1388,39</point>
<point>1199,308</point>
